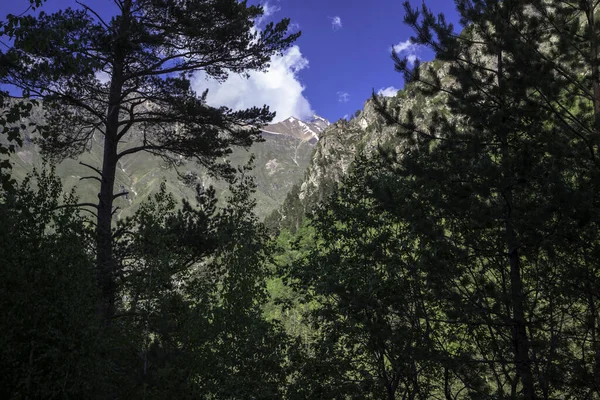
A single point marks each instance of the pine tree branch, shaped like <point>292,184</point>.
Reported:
<point>116,196</point>
<point>90,177</point>
<point>92,168</point>
<point>133,150</point>
<point>74,206</point>
<point>93,12</point>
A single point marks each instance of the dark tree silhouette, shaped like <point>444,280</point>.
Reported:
<point>149,51</point>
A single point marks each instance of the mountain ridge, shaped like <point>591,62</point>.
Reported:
<point>280,162</point>
<point>309,130</point>
<point>341,142</point>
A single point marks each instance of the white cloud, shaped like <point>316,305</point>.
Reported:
<point>268,10</point>
<point>402,46</point>
<point>408,50</point>
<point>343,97</point>
<point>279,87</point>
<point>389,91</point>
<point>336,23</point>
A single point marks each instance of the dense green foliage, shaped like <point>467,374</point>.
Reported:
<point>49,334</point>
<point>460,262</point>
<point>190,320</point>
<point>12,115</point>
<point>193,287</point>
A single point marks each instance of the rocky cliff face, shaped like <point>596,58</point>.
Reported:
<point>282,158</point>
<point>304,130</point>
<point>343,141</point>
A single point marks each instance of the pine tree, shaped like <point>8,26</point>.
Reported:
<point>573,54</point>
<point>496,187</point>
<point>149,50</point>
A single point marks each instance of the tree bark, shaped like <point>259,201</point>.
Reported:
<point>519,330</point>
<point>595,66</point>
<point>105,262</point>
<point>520,339</point>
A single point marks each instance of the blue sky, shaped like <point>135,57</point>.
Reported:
<point>352,57</point>
<point>342,55</point>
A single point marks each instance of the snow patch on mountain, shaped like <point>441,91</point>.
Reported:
<point>306,130</point>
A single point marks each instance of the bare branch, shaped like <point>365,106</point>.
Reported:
<point>75,206</point>
<point>91,212</point>
<point>92,168</point>
<point>116,196</point>
<point>133,150</point>
<point>93,12</point>
<point>79,205</point>
<point>83,178</point>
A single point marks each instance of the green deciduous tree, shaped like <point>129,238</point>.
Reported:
<point>372,337</point>
<point>51,342</point>
<point>193,286</point>
<point>11,115</point>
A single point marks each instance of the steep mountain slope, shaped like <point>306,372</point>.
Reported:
<point>280,162</point>
<point>341,142</point>
<point>303,130</point>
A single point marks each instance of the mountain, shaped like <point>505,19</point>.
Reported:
<point>340,143</point>
<point>282,158</point>
<point>280,162</point>
<point>303,130</point>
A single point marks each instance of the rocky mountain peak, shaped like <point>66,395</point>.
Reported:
<point>307,130</point>
<point>319,122</point>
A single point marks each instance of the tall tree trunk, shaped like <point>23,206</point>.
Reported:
<point>519,331</point>
<point>520,339</point>
<point>590,10</point>
<point>105,262</point>
<point>595,66</point>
